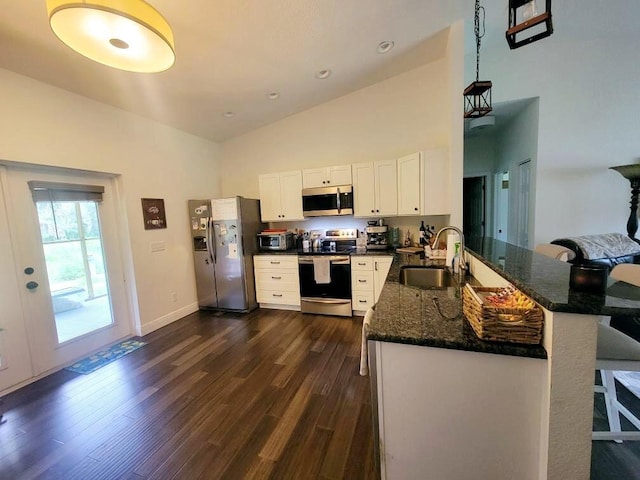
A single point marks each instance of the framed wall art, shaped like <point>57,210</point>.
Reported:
<point>153,213</point>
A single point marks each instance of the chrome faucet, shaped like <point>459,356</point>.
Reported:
<point>463,258</point>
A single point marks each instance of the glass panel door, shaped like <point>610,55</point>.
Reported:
<point>72,244</point>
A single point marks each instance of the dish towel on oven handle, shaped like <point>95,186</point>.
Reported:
<point>364,350</point>
<point>321,270</point>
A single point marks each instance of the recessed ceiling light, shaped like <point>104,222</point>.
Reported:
<point>322,74</point>
<point>384,47</point>
<point>273,95</point>
<point>228,114</point>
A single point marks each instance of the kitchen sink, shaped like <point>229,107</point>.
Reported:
<point>426,276</point>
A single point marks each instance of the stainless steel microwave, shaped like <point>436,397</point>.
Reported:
<point>321,201</point>
<point>275,241</point>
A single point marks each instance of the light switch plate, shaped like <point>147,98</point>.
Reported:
<point>158,246</point>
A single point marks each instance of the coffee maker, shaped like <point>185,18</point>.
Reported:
<point>376,237</point>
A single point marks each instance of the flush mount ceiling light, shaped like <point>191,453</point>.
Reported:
<point>528,22</point>
<point>384,47</point>
<point>125,34</point>
<point>228,114</point>
<point>273,95</point>
<point>477,96</point>
<point>322,74</point>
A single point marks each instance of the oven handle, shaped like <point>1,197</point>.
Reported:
<point>332,301</point>
<point>336,260</point>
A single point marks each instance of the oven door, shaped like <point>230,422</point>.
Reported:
<point>333,298</point>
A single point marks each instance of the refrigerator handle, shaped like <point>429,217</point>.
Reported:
<point>213,243</point>
<point>209,238</point>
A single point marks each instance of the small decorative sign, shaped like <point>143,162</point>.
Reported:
<point>153,213</point>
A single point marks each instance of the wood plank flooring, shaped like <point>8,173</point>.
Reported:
<point>267,395</point>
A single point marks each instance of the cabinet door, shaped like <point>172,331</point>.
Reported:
<point>339,175</point>
<point>291,195</point>
<point>409,182</point>
<point>386,188</point>
<point>363,190</point>
<point>270,209</point>
<point>436,182</point>
<point>314,177</point>
<point>381,267</point>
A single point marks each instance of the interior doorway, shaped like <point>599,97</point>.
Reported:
<point>474,202</point>
<point>502,206</point>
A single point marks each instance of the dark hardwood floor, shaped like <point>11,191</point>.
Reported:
<point>271,394</point>
<point>268,395</point>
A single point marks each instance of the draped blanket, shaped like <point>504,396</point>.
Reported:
<point>606,245</point>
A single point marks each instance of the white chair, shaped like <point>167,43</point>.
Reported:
<point>615,352</point>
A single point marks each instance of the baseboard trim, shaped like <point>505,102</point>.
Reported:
<point>165,320</point>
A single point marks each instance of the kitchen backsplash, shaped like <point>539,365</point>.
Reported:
<point>403,223</point>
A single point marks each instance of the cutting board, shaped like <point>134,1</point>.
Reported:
<point>413,250</point>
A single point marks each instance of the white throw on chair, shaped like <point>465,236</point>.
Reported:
<point>615,352</point>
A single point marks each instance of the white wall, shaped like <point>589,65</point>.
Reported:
<point>402,115</point>
<point>588,118</point>
<point>44,125</point>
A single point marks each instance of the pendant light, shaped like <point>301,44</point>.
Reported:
<point>125,34</point>
<point>477,95</point>
<point>528,22</point>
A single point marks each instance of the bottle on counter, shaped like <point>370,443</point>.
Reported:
<point>407,239</point>
<point>423,234</point>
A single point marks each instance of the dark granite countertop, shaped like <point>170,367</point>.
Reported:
<point>410,315</point>
<point>547,281</point>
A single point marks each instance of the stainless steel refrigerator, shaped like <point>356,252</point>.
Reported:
<point>224,240</point>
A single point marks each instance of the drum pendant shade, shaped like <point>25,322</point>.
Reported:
<point>125,34</point>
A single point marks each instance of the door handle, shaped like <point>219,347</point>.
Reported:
<point>32,285</point>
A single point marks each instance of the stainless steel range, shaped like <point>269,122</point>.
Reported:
<point>325,274</point>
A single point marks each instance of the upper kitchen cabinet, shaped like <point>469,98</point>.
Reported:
<point>410,184</point>
<point>281,196</point>
<point>326,176</point>
<point>375,188</point>
<point>423,183</point>
<point>437,181</point>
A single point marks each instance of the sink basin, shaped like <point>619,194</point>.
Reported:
<point>426,277</point>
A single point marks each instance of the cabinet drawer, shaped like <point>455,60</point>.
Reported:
<point>277,262</point>
<point>362,301</point>
<point>362,280</point>
<point>361,263</point>
<point>277,280</point>
<point>280,297</point>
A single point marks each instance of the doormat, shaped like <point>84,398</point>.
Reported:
<point>105,357</point>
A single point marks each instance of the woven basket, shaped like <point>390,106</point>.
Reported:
<point>517,325</point>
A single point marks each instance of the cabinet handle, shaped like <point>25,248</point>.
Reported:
<point>375,266</point>
<point>373,211</point>
<point>362,301</point>
<point>377,211</point>
<point>323,182</point>
<point>276,278</point>
<point>276,294</point>
<point>362,281</point>
<point>274,263</point>
<point>361,264</point>
<point>328,181</point>
<point>416,209</point>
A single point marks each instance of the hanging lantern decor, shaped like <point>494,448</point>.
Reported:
<point>477,96</point>
<point>529,20</point>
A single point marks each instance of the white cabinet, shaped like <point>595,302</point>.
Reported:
<point>375,189</point>
<point>277,281</point>
<point>437,180</point>
<point>368,274</point>
<point>423,183</point>
<point>410,184</point>
<point>326,176</point>
<point>281,196</point>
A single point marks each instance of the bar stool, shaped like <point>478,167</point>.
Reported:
<point>615,352</point>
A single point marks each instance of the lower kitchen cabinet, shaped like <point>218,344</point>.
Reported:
<point>277,281</point>
<point>368,274</point>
